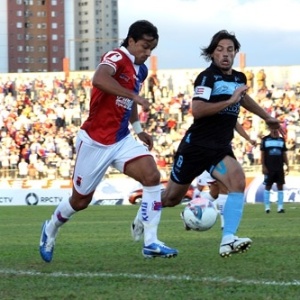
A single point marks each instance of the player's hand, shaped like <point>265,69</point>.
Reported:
<point>264,170</point>
<point>146,139</point>
<point>239,94</point>
<point>253,142</point>
<point>287,170</point>
<point>274,123</point>
<point>142,101</point>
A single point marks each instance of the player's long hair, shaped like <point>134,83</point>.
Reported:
<point>221,35</point>
<point>137,31</point>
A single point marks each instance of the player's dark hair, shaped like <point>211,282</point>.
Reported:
<point>138,29</point>
<point>221,35</point>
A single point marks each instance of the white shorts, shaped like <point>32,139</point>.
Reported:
<point>205,179</point>
<point>93,159</point>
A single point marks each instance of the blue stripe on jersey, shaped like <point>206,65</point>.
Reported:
<point>222,87</point>
<point>142,73</point>
<point>274,143</point>
<point>140,78</point>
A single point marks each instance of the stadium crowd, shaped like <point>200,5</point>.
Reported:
<point>39,121</point>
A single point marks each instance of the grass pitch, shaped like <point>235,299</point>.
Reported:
<point>95,257</point>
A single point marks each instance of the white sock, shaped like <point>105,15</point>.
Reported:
<point>221,201</point>
<point>150,212</point>
<point>61,215</point>
<point>196,193</point>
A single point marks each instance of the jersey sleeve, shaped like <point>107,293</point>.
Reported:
<point>112,58</point>
<point>203,86</point>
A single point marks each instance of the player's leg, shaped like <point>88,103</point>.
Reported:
<point>280,208</point>
<point>268,181</point>
<point>84,184</point>
<point>141,166</point>
<point>230,173</point>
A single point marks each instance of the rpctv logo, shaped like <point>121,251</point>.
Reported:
<point>32,199</point>
<point>51,199</point>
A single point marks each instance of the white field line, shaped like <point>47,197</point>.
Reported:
<point>152,277</point>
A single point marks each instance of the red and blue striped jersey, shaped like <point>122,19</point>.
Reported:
<point>109,115</point>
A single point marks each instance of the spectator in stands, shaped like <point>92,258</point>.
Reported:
<point>23,168</point>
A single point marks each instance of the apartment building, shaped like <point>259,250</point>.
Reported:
<point>36,35</point>
<point>96,32</point>
<point>41,34</point>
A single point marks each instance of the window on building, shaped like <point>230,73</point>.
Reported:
<point>19,37</point>
<point>54,60</point>
<point>53,14</point>
<point>19,25</point>
<point>42,48</point>
<point>54,37</point>
<point>20,48</point>
<point>41,14</point>
<point>41,25</point>
<point>28,37</point>
<point>28,25</point>
<point>29,49</point>
<point>55,48</point>
<point>53,2</point>
<point>19,13</point>
<point>43,60</point>
<point>54,25</point>
<point>28,13</point>
<point>19,2</point>
<point>42,37</point>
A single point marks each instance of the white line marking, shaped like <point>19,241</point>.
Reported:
<point>152,277</point>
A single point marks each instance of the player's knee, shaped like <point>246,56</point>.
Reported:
<point>151,178</point>
<point>80,203</point>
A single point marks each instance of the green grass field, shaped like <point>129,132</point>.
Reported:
<point>95,257</point>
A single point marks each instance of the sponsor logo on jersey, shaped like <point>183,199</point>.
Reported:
<point>124,102</point>
<point>199,90</point>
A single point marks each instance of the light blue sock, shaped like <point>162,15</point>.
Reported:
<point>267,199</point>
<point>280,200</point>
<point>233,211</point>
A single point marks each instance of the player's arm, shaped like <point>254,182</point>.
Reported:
<point>286,161</point>
<point>103,80</point>
<point>137,128</point>
<point>241,131</point>
<point>248,103</point>
<point>262,159</point>
<point>202,107</point>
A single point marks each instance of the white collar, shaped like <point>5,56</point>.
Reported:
<point>131,57</point>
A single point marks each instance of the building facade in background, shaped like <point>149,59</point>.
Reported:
<point>96,32</point>
<point>40,35</point>
<point>36,35</point>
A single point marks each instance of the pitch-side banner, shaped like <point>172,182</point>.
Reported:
<point>112,191</point>
<point>255,190</point>
<point>33,196</point>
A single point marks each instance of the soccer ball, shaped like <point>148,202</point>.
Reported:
<point>200,214</point>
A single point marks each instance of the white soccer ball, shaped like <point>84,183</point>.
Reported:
<point>200,214</point>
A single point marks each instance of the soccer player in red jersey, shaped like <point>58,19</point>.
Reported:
<point>104,140</point>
